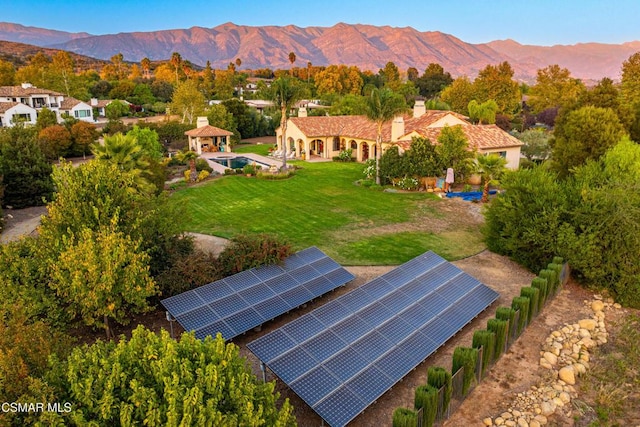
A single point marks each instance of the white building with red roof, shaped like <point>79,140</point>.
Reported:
<point>326,136</point>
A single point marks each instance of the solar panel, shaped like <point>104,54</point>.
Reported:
<point>344,355</point>
<point>238,303</point>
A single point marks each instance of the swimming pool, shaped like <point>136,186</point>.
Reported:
<point>237,162</point>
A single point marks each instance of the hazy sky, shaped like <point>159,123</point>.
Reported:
<point>540,22</point>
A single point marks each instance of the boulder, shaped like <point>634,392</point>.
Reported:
<point>597,305</point>
<point>588,324</point>
<point>487,422</point>
<point>567,375</point>
<point>550,357</point>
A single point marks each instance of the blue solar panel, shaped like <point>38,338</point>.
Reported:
<point>304,273</point>
<point>271,308</point>
<point>331,313</point>
<point>339,277</point>
<point>325,265</point>
<point>267,272</point>
<point>182,303</point>
<point>214,291</point>
<point>215,327</point>
<point>242,280</point>
<point>245,320</point>
<point>333,410</point>
<point>357,346</point>
<point>315,384</point>
<point>228,305</point>
<point>280,283</point>
<point>198,318</point>
<point>273,345</point>
<point>319,286</point>
<point>310,255</point>
<point>256,293</point>
<point>297,296</point>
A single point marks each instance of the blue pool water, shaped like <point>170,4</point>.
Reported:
<point>238,162</point>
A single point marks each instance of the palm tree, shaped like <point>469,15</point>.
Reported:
<point>292,59</point>
<point>145,64</point>
<point>284,93</point>
<point>189,156</point>
<point>382,106</point>
<point>128,155</point>
<point>490,168</point>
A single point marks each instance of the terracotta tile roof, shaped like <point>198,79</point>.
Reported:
<point>425,121</point>
<point>208,131</point>
<point>346,126</point>
<point>4,106</point>
<point>69,103</point>
<point>19,91</point>
<point>480,137</point>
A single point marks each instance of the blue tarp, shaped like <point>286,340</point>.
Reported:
<point>470,195</point>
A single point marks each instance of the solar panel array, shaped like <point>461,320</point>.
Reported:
<point>341,357</point>
<point>245,300</point>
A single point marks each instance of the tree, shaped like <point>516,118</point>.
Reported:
<point>83,134</point>
<point>292,59</point>
<point>145,64</point>
<point>116,109</point>
<point>188,101</point>
<point>55,141</point>
<point>484,113</point>
<point>524,221</point>
<point>339,79</point>
<point>433,81</point>
<point>458,94</point>
<point>155,380</point>
<point>390,76</point>
<point>284,94</point>
<point>103,274</point>
<point>127,155</point>
<point>382,106</point>
<point>453,151</point>
<point>536,144</point>
<point>220,117</point>
<point>176,62</point>
<point>630,82</point>
<point>63,65</point>
<point>554,88</point>
<point>422,158</point>
<point>7,73</point>
<point>25,170</point>
<point>584,134</point>
<point>148,140</point>
<point>496,83</point>
<point>46,117</point>
<point>490,168</point>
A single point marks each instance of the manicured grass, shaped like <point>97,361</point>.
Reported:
<point>262,149</point>
<point>322,206</point>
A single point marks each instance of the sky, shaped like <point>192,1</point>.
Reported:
<point>537,22</point>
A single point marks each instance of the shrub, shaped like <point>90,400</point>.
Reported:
<point>558,260</point>
<point>187,272</point>
<point>439,377</point>
<point>465,357</point>
<point>507,314</point>
<point>187,175</point>
<point>248,251</point>
<point>426,397</point>
<point>499,328</point>
<point>487,340</point>
<point>370,168</point>
<point>403,417</point>
<point>276,176</point>
<point>344,155</point>
<point>229,171</point>
<point>552,280</point>
<point>408,183</point>
<point>203,165</point>
<point>521,304</point>
<point>557,268</point>
<point>202,175</point>
<point>534,296</point>
<point>249,169</point>
<point>541,284</point>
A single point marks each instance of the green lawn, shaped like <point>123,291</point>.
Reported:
<point>321,206</point>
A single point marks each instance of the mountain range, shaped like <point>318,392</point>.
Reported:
<point>366,46</point>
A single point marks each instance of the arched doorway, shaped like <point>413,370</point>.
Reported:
<point>365,151</point>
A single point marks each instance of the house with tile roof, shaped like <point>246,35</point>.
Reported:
<point>326,136</point>
<point>208,138</point>
<point>14,112</point>
<point>37,99</point>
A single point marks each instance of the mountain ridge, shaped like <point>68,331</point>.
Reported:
<point>367,46</point>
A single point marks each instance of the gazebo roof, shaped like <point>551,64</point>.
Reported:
<point>208,131</point>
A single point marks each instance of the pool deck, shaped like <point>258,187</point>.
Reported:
<point>217,167</point>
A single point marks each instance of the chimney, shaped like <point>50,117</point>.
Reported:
<point>94,102</point>
<point>302,112</point>
<point>418,108</point>
<point>202,122</point>
<point>397,128</point>
<point>26,85</point>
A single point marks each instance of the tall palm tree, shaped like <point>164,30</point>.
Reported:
<point>292,59</point>
<point>490,168</point>
<point>176,61</point>
<point>383,105</point>
<point>284,93</point>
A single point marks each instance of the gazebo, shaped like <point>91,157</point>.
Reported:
<point>208,138</point>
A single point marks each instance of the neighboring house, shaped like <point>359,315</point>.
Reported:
<point>100,105</point>
<point>77,109</point>
<point>13,112</point>
<point>37,99</point>
<point>326,136</point>
<point>208,138</point>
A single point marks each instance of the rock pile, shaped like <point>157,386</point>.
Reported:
<point>566,356</point>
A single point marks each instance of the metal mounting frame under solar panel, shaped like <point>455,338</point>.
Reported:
<point>245,300</point>
<point>342,356</point>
